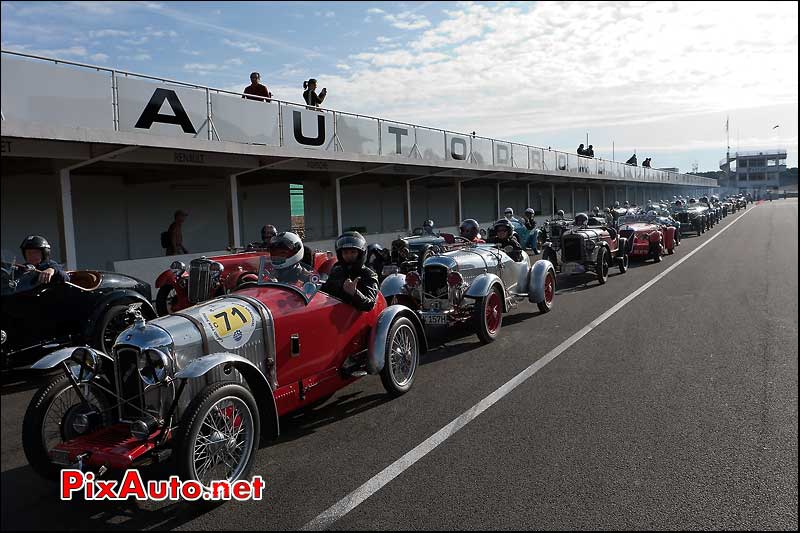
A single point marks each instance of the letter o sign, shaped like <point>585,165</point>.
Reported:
<point>456,141</point>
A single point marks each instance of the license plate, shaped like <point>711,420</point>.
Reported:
<point>434,319</point>
<point>572,268</point>
<point>389,270</point>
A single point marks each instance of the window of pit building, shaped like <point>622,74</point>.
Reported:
<point>298,209</point>
<point>758,176</point>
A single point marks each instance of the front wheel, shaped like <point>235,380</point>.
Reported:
<point>488,316</point>
<point>166,298</point>
<point>623,263</point>
<point>57,414</point>
<point>218,435</point>
<point>657,253</point>
<point>550,255</point>
<point>601,266</point>
<point>401,358</point>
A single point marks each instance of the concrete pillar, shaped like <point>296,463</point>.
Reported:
<point>499,214</point>
<point>234,225</point>
<point>552,199</point>
<point>66,221</point>
<point>572,197</point>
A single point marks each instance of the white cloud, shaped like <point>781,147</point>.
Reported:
<point>383,40</point>
<point>137,57</point>
<point>99,34</point>
<point>99,58</point>
<point>407,20</point>
<point>326,14</point>
<point>375,11</point>
<point>235,61</point>
<point>342,66</point>
<point>246,46</point>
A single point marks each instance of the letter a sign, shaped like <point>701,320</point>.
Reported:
<point>151,112</point>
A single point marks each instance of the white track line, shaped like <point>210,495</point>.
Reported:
<point>355,498</point>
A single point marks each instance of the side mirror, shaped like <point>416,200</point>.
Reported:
<point>178,265</point>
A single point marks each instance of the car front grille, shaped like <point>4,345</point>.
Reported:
<point>200,286</point>
<point>129,384</point>
<point>435,281</point>
<point>573,248</point>
<point>627,233</point>
<point>682,217</point>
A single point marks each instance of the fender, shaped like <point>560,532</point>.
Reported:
<point>256,381</point>
<point>392,285</point>
<point>125,297</point>
<point>57,357</point>
<point>539,272</point>
<point>380,333</point>
<point>481,286</point>
<point>167,277</point>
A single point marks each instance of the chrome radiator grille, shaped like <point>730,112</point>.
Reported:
<point>200,284</point>
<point>129,384</point>
<point>435,281</point>
<point>573,248</point>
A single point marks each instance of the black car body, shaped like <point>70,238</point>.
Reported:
<point>89,309</point>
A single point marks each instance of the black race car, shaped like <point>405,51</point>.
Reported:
<point>92,308</point>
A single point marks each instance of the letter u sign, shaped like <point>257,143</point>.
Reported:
<point>297,123</point>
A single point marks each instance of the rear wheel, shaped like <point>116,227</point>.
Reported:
<point>656,253</point>
<point>401,358</point>
<point>488,316</point>
<point>601,266</point>
<point>549,292</point>
<point>623,263</point>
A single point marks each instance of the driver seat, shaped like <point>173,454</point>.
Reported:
<point>87,280</point>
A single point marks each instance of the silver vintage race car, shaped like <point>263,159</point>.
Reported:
<point>477,283</point>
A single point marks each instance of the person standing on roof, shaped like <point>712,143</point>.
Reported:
<point>310,95</point>
<point>255,88</point>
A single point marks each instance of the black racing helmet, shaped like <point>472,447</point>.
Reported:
<point>469,228</point>
<point>530,212</point>
<point>504,223</point>
<point>581,219</point>
<point>268,232</point>
<point>354,240</point>
<point>285,250</point>
<point>560,213</point>
<point>36,242</point>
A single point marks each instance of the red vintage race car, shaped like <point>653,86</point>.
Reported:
<point>207,385</point>
<point>206,277</point>
<point>647,239</point>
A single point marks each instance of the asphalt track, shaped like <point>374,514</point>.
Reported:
<point>677,412</point>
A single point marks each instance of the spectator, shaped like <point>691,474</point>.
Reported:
<point>310,95</point>
<point>174,237</point>
<point>589,151</point>
<point>581,151</point>
<point>257,89</point>
<point>646,163</point>
<point>631,161</point>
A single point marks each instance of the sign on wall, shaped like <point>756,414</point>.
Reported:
<point>162,109</point>
<point>306,127</point>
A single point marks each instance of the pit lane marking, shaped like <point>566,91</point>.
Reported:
<point>377,482</point>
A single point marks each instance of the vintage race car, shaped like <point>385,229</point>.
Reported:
<point>207,277</point>
<point>208,384</point>
<point>692,218</point>
<point>89,309</point>
<point>583,249</point>
<point>410,252</point>
<point>476,283</point>
<point>647,238</point>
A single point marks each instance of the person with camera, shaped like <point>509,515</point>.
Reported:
<point>310,94</point>
<point>350,279</point>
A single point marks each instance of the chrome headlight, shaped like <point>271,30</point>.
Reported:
<point>178,267</point>
<point>84,364</point>
<point>154,365</point>
<point>590,244</point>
<point>216,269</point>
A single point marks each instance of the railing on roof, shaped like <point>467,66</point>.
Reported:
<point>751,153</point>
<point>235,119</point>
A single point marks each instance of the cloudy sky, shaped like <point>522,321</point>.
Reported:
<point>656,77</point>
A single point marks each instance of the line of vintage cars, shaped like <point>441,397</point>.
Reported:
<point>237,346</point>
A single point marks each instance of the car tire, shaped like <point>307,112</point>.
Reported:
<point>550,255</point>
<point>623,264</point>
<point>488,315</point>
<point>222,399</point>
<point>110,325</point>
<point>36,416</point>
<point>601,266</point>
<point>398,375</point>
<point>162,299</point>
<point>656,253</point>
<point>549,292</point>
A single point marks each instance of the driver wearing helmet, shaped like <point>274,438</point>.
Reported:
<point>36,251</point>
<point>267,233</point>
<point>470,230</point>
<point>533,235</point>
<point>508,214</point>
<point>560,214</point>
<point>350,280</point>
<point>286,253</point>
<point>581,219</point>
<point>427,227</point>
<point>505,237</point>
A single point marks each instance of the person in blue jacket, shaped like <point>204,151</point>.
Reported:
<point>36,251</point>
